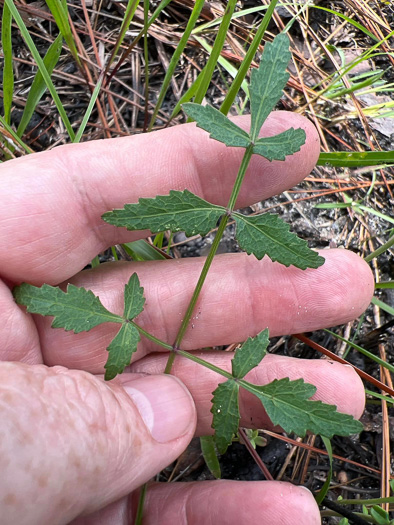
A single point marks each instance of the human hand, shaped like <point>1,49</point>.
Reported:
<point>74,447</point>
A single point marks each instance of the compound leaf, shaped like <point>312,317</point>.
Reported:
<point>134,299</point>
<point>178,211</point>
<point>121,350</point>
<point>281,145</point>
<point>267,81</point>
<point>287,404</point>
<point>76,309</point>
<point>225,410</point>
<point>250,354</point>
<point>218,125</point>
<point>268,235</point>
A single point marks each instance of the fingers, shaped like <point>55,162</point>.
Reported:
<point>336,384</point>
<point>230,503</point>
<point>240,297</point>
<point>52,202</point>
<point>81,443</point>
<point>221,502</point>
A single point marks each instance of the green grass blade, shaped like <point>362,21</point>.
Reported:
<point>226,64</point>
<point>216,50</point>
<point>190,93</point>
<point>326,487</point>
<point>89,109</point>
<point>379,396</point>
<point>384,285</point>
<point>354,159</point>
<point>143,251</point>
<point>41,66</point>
<point>387,308</point>
<point>376,212</point>
<point>355,87</point>
<point>212,23</point>
<point>15,136</point>
<point>59,12</point>
<point>245,64</point>
<point>209,453</point>
<point>38,86</point>
<point>128,17</point>
<point>8,71</point>
<point>380,250</point>
<point>361,349</point>
<point>175,58</point>
<point>349,20</point>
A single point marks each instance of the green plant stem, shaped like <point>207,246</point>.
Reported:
<point>373,501</point>
<point>188,355</point>
<point>204,271</point>
<point>152,337</point>
<point>202,362</point>
<point>222,226</point>
<point>240,177</point>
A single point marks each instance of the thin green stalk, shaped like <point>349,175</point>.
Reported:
<point>380,250</point>
<point>89,109</point>
<point>140,508</point>
<point>222,226</point>
<point>203,275</point>
<point>372,501</point>
<point>8,71</point>
<point>240,177</point>
<point>152,337</point>
<point>202,362</point>
<point>128,16</point>
<point>188,355</point>
<point>146,65</point>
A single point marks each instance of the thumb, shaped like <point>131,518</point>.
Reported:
<point>70,443</point>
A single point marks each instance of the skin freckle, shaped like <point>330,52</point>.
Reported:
<point>7,398</point>
<point>10,499</point>
<point>42,481</point>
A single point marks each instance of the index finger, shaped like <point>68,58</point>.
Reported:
<point>50,219</point>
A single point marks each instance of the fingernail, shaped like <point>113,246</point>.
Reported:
<point>164,404</point>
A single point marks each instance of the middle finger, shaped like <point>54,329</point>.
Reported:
<point>241,297</point>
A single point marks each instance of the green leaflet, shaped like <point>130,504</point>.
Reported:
<point>267,82</point>
<point>80,310</point>
<point>134,299</point>
<point>268,235</point>
<point>76,309</point>
<point>287,404</point>
<point>121,350</point>
<point>281,145</point>
<point>225,410</point>
<point>178,211</point>
<point>218,125</point>
<point>250,354</point>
